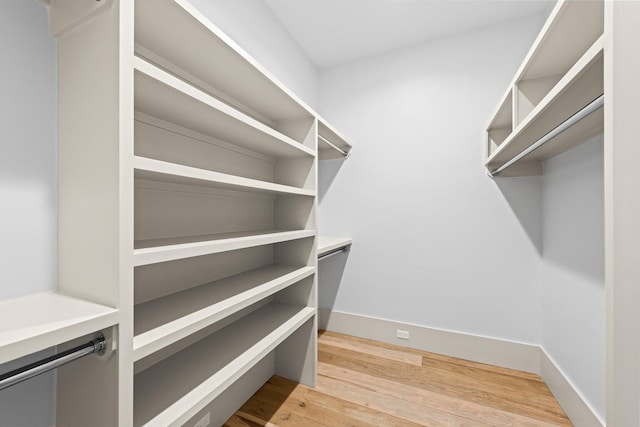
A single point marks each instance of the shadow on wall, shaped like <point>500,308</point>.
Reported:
<point>524,197</point>
<point>330,272</point>
<point>327,172</point>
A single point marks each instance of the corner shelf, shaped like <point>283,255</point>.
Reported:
<point>192,378</point>
<point>331,144</point>
<point>328,244</point>
<point>164,321</point>
<point>562,74</point>
<point>36,322</point>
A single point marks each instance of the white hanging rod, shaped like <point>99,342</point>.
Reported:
<point>332,145</point>
<point>584,112</point>
<point>97,345</point>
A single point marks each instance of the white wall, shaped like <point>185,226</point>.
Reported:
<point>252,25</point>
<point>27,184</point>
<point>28,144</point>
<point>436,242</point>
<point>572,270</point>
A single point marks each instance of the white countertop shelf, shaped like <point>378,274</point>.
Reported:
<point>161,250</point>
<point>163,321</point>
<point>328,244</point>
<point>166,97</point>
<point>35,322</point>
<point>191,378</point>
<point>157,170</point>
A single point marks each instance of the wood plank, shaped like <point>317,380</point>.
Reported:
<point>367,383</point>
<point>473,411</point>
<point>391,354</point>
<point>434,356</point>
<point>445,377</point>
<point>348,409</point>
<point>398,407</point>
<point>526,404</point>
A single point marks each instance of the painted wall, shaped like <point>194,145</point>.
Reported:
<point>27,184</point>
<point>252,25</point>
<point>436,242</point>
<point>572,269</point>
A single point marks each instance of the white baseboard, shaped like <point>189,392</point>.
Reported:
<point>577,409</point>
<point>492,351</point>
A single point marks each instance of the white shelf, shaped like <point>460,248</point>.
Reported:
<point>177,36</point>
<point>164,96</point>
<point>580,85</point>
<point>35,322</point>
<point>328,244</point>
<point>157,170</point>
<point>161,250</point>
<point>174,390</point>
<point>331,143</point>
<point>163,321</point>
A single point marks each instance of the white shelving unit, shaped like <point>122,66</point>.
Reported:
<point>187,220</point>
<point>562,73</point>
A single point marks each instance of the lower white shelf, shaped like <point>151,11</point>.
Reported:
<point>174,390</point>
<point>163,321</point>
<point>328,244</point>
<point>36,322</point>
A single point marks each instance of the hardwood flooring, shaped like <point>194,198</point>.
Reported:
<point>368,383</point>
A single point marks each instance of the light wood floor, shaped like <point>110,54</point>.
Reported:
<point>368,383</point>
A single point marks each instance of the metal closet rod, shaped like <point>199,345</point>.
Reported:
<point>584,112</point>
<point>98,345</point>
<point>333,252</point>
<point>334,146</point>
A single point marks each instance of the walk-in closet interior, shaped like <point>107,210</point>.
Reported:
<point>192,189</point>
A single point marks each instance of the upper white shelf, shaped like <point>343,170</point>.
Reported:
<point>36,322</point>
<point>561,74</point>
<point>162,250</point>
<point>161,322</point>
<point>331,144</point>
<point>157,170</point>
<point>174,390</point>
<point>328,244</point>
<point>166,97</point>
<point>176,36</point>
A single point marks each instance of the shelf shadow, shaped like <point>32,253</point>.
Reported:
<point>327,172</point>
<point>524,197</point>
<point>330,272</point>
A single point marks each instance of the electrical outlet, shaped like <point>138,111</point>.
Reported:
<point>204,421</point>
<point>402,334</point>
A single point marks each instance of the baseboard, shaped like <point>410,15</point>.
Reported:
<point>492,351</point>
<point>523,357</point>
<point>577,409</point>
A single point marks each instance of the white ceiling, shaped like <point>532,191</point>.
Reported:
<point>332,32</point>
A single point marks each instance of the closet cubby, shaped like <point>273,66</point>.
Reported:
<point>562,74</point>
<point>193,377</point>
<point>178,38</point>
